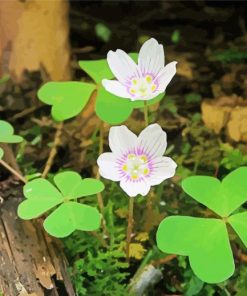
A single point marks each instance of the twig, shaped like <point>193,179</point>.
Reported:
<point>163,260</point>
<point>13,171</point>
<point>25,112</point>
<point>85,49</point>
<point>53,151</point>
<point>10,157</point>
<point>216,171</point>
<point>129,228</point>
<point>146,112</point>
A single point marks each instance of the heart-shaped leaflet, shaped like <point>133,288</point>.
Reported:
<point>205,241</point>
<point>66,98</point>
<point>70,215</point>
<point>7,133</point>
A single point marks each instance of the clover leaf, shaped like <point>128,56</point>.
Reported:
<point>205,240</point>
<point>7,133</point>
<point>69,216</point>
<point>66,98</point>
<point>221,197</point>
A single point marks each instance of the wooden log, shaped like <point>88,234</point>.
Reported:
<point>31,262</point>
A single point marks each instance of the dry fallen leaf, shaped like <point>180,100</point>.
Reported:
<point>229,113</point>
<point>237,125</point>
<point>215,113</point>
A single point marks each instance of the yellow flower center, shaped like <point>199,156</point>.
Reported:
<point>142,87</point>
<point>136,166</point>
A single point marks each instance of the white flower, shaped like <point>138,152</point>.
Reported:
<point>136,162</point>
<point>143,81</point>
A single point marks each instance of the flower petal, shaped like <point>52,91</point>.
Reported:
<point>121,139</point>
<point>108,167</point>
<point>151,57</point>
<point>153,140</point>
<point>116,88</point>
<point>163,168</point>
<point>148,97</point>
<point>121,65</point>
<point>165,76</point>
<point>135,188</point>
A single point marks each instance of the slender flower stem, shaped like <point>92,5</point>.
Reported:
<point>99,195</point>
<point>53,151</point>
<point>131,201</point>
<point>101,143</point>
<point>149,198</point>
<point>146,112</point>
<point>13,171</point>
<point>130,227</point>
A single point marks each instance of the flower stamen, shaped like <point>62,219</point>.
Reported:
<point>149,79</point>
<point>136,166</point>
<point>142,86</point>
<point>146,171</point>
<point>125,168</point>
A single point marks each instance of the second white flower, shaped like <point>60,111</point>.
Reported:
<point>137,162</point>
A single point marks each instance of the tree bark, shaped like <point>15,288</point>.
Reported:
<point>34,35</point>
<point>31,262</point>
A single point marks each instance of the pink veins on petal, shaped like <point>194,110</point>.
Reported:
<point>142,86</point>
<point>135,165</point>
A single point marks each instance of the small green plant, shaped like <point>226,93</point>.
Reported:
<point>231,55</point>
<point>98,271</point>
<point>67,99</point>
<point>103,32</point>
<point>120,84</point>
<point>205,240</point>
<point>70,215</point>
<point>232,157</point>
<point>175,36</point>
